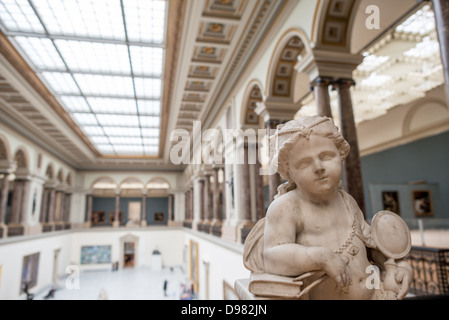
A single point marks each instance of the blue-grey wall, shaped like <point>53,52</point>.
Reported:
<point>393,169</point>
<point>153,205</point>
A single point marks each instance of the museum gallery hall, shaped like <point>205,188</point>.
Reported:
<point>135,156</point>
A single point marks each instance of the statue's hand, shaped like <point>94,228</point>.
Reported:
<point>403,277</point>
<point>336,268</point>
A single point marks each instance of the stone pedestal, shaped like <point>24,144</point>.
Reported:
<point>116,224</point>
<point>143,223</point>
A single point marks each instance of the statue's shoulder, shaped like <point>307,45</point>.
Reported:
<point>283,207</point>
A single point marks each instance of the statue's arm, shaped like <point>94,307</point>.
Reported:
<point>283,256</point>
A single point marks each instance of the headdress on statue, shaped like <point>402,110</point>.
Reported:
<point>287,134</point>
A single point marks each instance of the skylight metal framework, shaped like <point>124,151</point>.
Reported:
<point>103,60</point>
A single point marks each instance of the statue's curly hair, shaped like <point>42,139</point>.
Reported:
<point>287,136</point>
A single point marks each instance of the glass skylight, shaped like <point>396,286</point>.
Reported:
<point>102,59</point>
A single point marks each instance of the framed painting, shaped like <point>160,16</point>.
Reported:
<point>194,264</point>
<point>390,201</point>
<point>96,254</point>
<point>98,217</point>
<point>422,203</point>
<point>158,217</point>
<point>30,268</point>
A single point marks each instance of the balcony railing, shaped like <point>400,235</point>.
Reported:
<point>430,271</point>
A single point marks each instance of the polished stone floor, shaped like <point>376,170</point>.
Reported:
<point>139,283</point>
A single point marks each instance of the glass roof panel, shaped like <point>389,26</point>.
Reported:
<point>146,121</point>
<point>126,140</point>
<point>94,56</point>
<point>149,107</point>
<point>101,85</point>
<point>75,104</point>
<point>112,120</point>
<point>122,131</point>
<point>41,52</point>
<point>150,132</point>
<point>115,106</point>
<point>146,60</point>
<point>85,119</point>
<point>102,59</point>
<point>148,88</point>
<point>84,18</point>
<point>145,20</point>
<point>62,83</point>
<point>18,15</point>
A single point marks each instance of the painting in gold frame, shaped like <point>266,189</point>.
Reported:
<point>194,264</point>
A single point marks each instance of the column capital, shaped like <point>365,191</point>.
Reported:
<point>321,82</point>
<point>343,82</point>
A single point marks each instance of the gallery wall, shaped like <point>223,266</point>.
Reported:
<point>417,166</point>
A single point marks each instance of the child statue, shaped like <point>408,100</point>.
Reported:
<point>315,234</point>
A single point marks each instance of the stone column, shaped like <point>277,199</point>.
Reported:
<point>67,205</point>
<point>88,222</point>
<point>352,167</point>
<point>274,180</point>
<point>245,198</point>
<point>321,93</point>
<point>143,214</point>
<point>223,191</point>
<point>58,209</point>
<point>186,207</point>
<point>116,222</point>
<point>16,202</point>
<point>207,205</point>
<point>171,217</point>
<point>3,204</point>
<point>441,11</point>
<point>200,223</point>
<point>260,195</point>
<point>216,222</point>
<point>23,200</point>
<point>51,207</point>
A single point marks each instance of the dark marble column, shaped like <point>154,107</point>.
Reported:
<point>216,222</point>
<point>89,209</point>
<point>116,223</point>
<point>51,206</point>
<point>4,197</point>
<point>3,204</point>
<point>201,204</point>
<point>441,10</point>
<point>223,197</point>
<point>321,92</point>
<point>260,198</point>
<point>24,200</point>
<point>207,205</point>
<point>16,202</point>
<point>274,180</point>
<point>67,211</point>
<point>170,208</point>
<point>216,199</point>
<point>44,206</point>
<point>352,166</point>
<point>143,213</point>
<point>245,198</point>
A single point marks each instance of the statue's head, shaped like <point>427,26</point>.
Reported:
<point>288,134</point>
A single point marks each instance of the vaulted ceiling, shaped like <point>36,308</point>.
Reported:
<point>206,45</point>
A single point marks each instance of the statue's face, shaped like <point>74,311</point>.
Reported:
<point>315,165</point>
